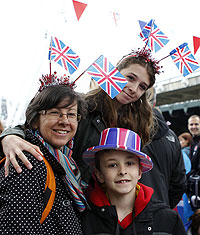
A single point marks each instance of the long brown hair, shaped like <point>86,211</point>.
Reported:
<point>136,116</point>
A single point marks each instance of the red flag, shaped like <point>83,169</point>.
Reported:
<point>196,42</point>
<point>79,8</point>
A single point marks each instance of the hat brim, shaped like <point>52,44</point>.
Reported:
<point>145,160</point>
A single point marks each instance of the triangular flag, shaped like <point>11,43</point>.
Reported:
<point>79,8</point>
<point>142,24</point>
<point>196,42</point>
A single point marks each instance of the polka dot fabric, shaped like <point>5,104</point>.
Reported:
<point>21,200</point>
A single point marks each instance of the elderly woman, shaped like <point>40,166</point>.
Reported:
<point>51,122</point>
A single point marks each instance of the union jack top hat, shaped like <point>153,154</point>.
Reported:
<point>119,139</point>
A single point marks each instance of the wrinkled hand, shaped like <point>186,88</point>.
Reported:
<point>14,145</point>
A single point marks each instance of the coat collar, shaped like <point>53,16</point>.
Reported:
<point>98,197</point>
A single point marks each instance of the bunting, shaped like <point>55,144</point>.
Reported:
<point>196,43</point>
<point>79,8</point>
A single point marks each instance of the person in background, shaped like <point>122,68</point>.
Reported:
<point>184,207</point>
<point>51,122</point>
<point>129,109</point>
<point>194,129</point>
<point>185,141</point>
<point>118,203</point>
<point>193,189</point>
<point>167,178</point>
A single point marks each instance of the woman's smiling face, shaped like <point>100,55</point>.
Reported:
<point>138,82</point>
<point>58,132</point>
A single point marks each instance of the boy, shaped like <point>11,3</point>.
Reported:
<point>119,204</point>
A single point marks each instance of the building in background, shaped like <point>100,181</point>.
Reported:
<point>179,98</point>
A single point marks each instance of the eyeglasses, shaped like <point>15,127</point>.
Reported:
<point>54,115</point>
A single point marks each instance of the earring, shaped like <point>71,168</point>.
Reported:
<point>71,143</point>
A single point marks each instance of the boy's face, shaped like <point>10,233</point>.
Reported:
<point>120,171</point>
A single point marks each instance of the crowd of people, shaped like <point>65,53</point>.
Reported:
<point>89,164</point>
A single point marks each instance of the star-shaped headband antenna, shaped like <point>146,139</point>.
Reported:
<point>146,54</point>
<point>52,80</point>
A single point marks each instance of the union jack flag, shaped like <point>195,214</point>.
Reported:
<point>184,59</point>
<point>153,36</point>
<point>63,55</point>
<point>107,76</point>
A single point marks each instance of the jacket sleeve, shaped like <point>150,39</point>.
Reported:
<point>21,199</point>
<point>177,185</point>
<point>17,130</point>
<point>179,228</point>
<point>167,178</point>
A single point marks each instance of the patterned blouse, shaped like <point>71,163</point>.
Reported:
<point>22,195</point>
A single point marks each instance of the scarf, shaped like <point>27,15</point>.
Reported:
<point>73,177</point>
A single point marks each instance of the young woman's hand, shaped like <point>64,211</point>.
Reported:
<point>14,145</point>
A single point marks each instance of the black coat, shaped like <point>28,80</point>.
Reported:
<point>157,218</point>
<point>88,135</point>
<point>195,153</point>
<point>167,177</point>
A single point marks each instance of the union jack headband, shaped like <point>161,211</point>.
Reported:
<point>52,80</point>
<point>146,55</point>
<point>119,139</point>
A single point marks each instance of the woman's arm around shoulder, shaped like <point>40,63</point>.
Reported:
<point>13,145</point>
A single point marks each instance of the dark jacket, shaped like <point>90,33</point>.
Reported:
<point>22,199</point>
<point>167,177</point>
<point>87,135</point>
<point>195,153</point>
<point>192,187</point>
<point>149,217</point>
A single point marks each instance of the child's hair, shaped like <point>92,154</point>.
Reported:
<point>99,154</point>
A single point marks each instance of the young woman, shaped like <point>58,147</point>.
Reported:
<point>129,109</point>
